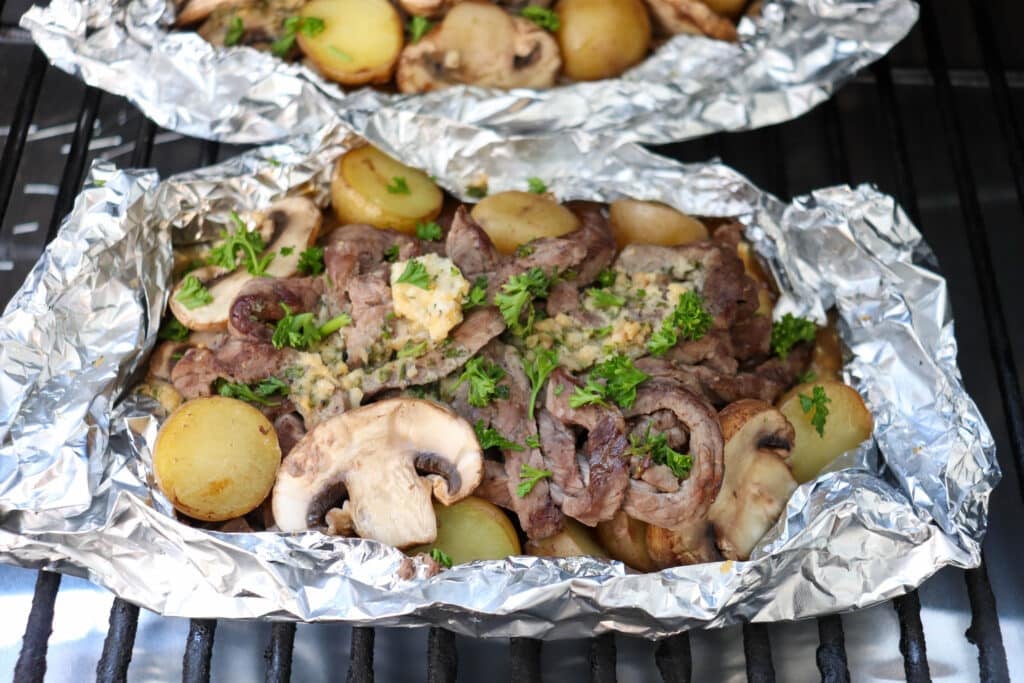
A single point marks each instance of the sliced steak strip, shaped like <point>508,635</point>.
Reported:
<point>469,247</point>
<point>370,295</point>
<point>357,248</point>
<point>237,360</point>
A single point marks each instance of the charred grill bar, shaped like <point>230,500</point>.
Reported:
<point>672,656</point>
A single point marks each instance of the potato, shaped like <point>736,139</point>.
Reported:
<point>727,8</point>
<point>848,424</point>
<point>360,192</point>
<point>472,529</point>
<point>360,42</point>
<point>574,540</point>
<point>754,269</point>
<point>514,218</point>
<point>602,38</point>
<point>216,458</point>
<point>636,222</point>
<point>626,541</point>
<point>827,361</point>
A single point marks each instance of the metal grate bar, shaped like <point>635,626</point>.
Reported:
<point>672,655</point>
<point>143,144</point>
<point>117,646</point>
<point>912,646</point>
<point>15,145</point>
<point>77,155</point>
<point>831,653</point>
<point>835,143</point>
<point>757,648</point>
<point>360,668</point>
<point>602,659</point>
<point>442,659</point>
<point>905,190</point>
<point>198,651</point>
<point>279,652</point>
<point>984,629</point>
<point>525,660</point>
<point>31,666</point>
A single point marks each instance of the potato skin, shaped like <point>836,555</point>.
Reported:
<point>216,458</point>
<point>360,43</point>
<point>472,529</point>
<point>602,38</point>
<point>849,423</point>
<point>574,540</point>
<point>625,539</point>
<point>639,222</point>
<point>359,192</point>
<point>514,218</point>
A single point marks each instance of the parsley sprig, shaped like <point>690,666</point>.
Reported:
<point>483,377</point>
<point>689,319</point>
<point>258,393</point>
<point>391,253</point>
<point>516,297</point>
<point>250,242</point>
<point>235,32</point>
<point>489,437</point>
<point>545,18</point>
<point>536,185</point>
<point>660,452</point>
<point>398,185</point>
<point>477,295</point>
<point>307,26</point>
<point>300,331</point>
<point>537,372</point>
<point>173,330</point>
<point>415,274</point>
<point>621,379</point>
<point>440,556</point>
<point>311,261</point>
<point>789,331</point>
<point>528,478</point>
<point>193,294</point>
<point>606,278</point>
<point>818,403</point>
<point>429,231</point>
<point>417,28</point>
<point>602,298</point>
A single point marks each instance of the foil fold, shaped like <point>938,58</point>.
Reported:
<point>75,444</point>
<point>789,59</point>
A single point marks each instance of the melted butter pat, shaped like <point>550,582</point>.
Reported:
<point>437,309</point>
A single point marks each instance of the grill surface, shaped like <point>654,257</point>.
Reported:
<point>937,124</point>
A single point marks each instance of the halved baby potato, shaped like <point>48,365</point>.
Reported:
<point>848,424</point>
<point>574,540</point>
<point>360,41</point>
<point>639,222</point>
<point>602,38</point>
<point>472,529</point>
<point>370,187</point>
<point>513,218</point>
<point>216,458</point>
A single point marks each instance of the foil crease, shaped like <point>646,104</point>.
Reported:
<point>789,59</point>
<point>75,445</point>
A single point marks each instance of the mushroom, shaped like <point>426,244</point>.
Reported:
<point>385,459</point>
<point>672,17</point>
<point>291,224</point>
<point>427,8</point>
<point>757,482</point>
<point>692,543</point>
<point>480,44</point>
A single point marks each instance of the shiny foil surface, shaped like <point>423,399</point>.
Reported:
<point>75,445</point>
<point>789,59</point>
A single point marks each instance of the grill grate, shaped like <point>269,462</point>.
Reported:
<point>889,87</point>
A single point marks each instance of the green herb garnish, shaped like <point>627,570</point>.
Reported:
<point>193,294</point>
<point>545,18</point>
<point>250,242</point>
<point>416,274</point>
<point>689,319</point>
<point>477,295</point>
<point>477,191</point>
<point>301,331</point>
<point>789,331</point>
<point>311,261</point>
<point>606,278</point>
<point>537,372</point>
<point>235,32</point>
<point>533,441</point>
<point>528,478</point>
<point>516,297</point>
<point>391,253</point>
<point>536,185</point>
<point>398,185</point>
<point>489,437</point>
<point>661,453</point>
<point>602,298</point>
<point>307,26</point>
<point>258,393</point>
<point>429,231</point>
<point>483,377</point>
<point>173,330</point>
<point>818,403</point>
<point>440,556</point>
<point>621,379</point>
<point>411,350</point>
<point>417,28</point>
<point>287,251</point>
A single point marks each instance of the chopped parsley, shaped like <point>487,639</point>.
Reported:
<point>429,231</point>
<point>489,437</point>
<point>660,452</point>
<point>307,26</point>
<point>335,324</point>
<point>602,298</point>
<point>689,319</point>
<point>287,251</point>
<point>602,332</point>
<point>805,377</point>
<point>477,295</point>
<point>477,191</point>
<point>250,242</point>
<point>537,372</point>
<point>528,478</point>
<point>411,350</point>
<point>416,274</point>
<point>524,250</point>
<point>311,261</point>
<point>516,297</point>
<point>398,185</point>
<point>193,294</point>
<point>417,28</point>
<point>818,403</point>
<point>533,441</point>
<point>300,331</point>
<point>536,185</point>
<point>621,379</point>
<point>438,555</point>
<point>258,393</point>
<point>235,32</point>
<point>391,253</point>
<point>339,53</point>
<point>483,377</point>
<point>173,330</point>
<point>789,331</point>
<point>545,18</point>
<point>606,278</point>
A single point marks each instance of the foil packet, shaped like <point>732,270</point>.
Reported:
<point>76,444</point>
<point>788,59</point>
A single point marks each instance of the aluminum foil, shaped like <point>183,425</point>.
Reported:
<point>789,59</point>
<point>75,445</point>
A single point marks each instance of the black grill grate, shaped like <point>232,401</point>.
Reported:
<point>891,95</point>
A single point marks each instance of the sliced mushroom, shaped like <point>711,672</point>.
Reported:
<point>291,224</point>
<point>262,22</point>
<point>757,482</point>
<point>194,11</point>
<point>692,543</point>
<point>427,8</point>
<point>385,458</point>
<point>480,44</point>
<point>672,17</point>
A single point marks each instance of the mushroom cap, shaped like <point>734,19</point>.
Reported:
<point>387,457</point>
<point>757,482</point>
